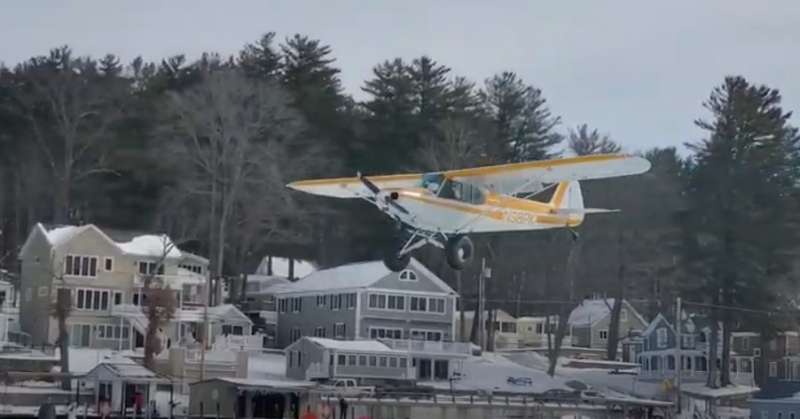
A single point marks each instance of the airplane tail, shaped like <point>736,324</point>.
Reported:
<point>568,200</point>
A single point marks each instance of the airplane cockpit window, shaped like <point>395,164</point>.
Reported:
<point>432,181</point>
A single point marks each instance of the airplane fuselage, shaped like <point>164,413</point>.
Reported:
<point>495,213</point>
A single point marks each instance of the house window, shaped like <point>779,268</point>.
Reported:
<point>294,334</point>
<point>431,335</point>
<point>320,301</point>
<point>351,360</point>
<point>373,361</point>
<point>688,341</point>
<point>336,302</point>
<point>84,266</point>
<point>604,335</point>
<point>108,264</point>
<point>341,360</point>
<point>436,305</point>
<point>539,328</point>
<point>661,337</point>
<point>117,298</point>
<point>382,362</point>
<point>282,305</point>
<point>508,327</point>
<point>385,333</point>
<point>403,363</point>
<point>756,351</point>
<point>623,315</point>
<point>362,360</point>
<point>745,343</point>
<point>408,275</point>
<point>91,299</point>
<point>291,359</point>
<point>396,302</point>
<point>296,304</point>
<point>392,362</point>
<point>339,330</point>
<point>150,268</point>
<point>773,369</point>
<point>319,332</point>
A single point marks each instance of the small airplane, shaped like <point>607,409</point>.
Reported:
<point>444,208</point>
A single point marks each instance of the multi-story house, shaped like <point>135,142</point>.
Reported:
<point>533,331</point>
<point>590,321</point>
<point>658,356</point>
<point>782,355</point>
<point>9,311</point>
<point>367,301</point>
<point>260,305</point>
<point>105,271</point>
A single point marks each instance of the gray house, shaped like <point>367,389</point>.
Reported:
<point>320,359</point>
<point>366,301</point>
<point>658,357</point>
<point>590,321</point>
<point>778,408</point>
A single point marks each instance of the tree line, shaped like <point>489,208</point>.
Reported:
<point>202,150</point>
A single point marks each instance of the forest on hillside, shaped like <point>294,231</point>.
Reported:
<point>202,151</point>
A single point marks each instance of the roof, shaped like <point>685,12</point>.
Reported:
<point>228,312</point>
<point>652,326</point>
<point>351,345</point>
<point>255,383</point>
<point>500,315</point>
<point>700,390</point>
<point>125,368</point>
<point>130,243</point>
<point>590,312</point>
<point>353,276</point>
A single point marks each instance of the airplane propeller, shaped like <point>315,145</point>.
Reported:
<point>376,191</point>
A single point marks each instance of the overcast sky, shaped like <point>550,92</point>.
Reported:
<point>638,70</point>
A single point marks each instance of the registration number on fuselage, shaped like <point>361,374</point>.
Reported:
<point>519,217</point>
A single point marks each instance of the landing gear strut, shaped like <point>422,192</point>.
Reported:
<point>458,249</point>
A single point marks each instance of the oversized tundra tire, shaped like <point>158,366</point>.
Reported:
<point>459,251</point>
<point>393,260</point>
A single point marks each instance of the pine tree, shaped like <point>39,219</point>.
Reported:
<point>584,142</point>
<point>741,188</point>
<point>524,126</point>
<point>261,59</point>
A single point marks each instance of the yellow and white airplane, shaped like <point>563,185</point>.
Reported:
<point>443,208</point>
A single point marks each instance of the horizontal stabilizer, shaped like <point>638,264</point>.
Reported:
<point>583,211</point>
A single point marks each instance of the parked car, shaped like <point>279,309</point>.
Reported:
<point>347,387</point>
<point>520,381</point>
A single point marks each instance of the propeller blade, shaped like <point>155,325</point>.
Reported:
<point>375,191</point>
<point>368,183</point>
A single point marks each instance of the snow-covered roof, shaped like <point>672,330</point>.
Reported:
<point>125,368</point>
<point>590,312</point>
<point>257,284</point>
<point>228,312</point>
<point>351,345</point>
<point>353,276</point>
<point>263,383</point>
<point>280,267</point>
<point>146,245</point>
<point>700,389</point>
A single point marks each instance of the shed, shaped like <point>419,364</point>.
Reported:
<point>119,380</point>
<point>247,397</point>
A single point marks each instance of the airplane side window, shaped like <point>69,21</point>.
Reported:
<point>477,196</point>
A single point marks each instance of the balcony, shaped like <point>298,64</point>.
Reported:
<point>429,347</point>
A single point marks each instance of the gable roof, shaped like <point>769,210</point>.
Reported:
<point>129,243</point>
<point>590,312</point>
<point>125,368</point>
<point>653,325</point>
<point>353,276</point>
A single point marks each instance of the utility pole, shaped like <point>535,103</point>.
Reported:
<point>678,344</point>
<point>479,313</point>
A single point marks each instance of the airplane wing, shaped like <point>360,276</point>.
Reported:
<point>353,187</point>
<point>529,177</point>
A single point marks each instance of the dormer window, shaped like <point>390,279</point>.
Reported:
<point>408,275</point>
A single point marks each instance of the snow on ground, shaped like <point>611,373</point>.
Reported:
<point>491,372</point>
<point>598,378</point>
<point>266,366</point>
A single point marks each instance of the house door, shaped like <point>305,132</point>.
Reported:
<point>440,370</point>
<point>424,369</point>
<point>139,338</point>
<point>330,366</point>
<point>86,334</point>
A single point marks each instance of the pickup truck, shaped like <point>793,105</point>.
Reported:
<point>347,387</point>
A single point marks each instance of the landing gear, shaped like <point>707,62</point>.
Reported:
<point>459,251</point>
